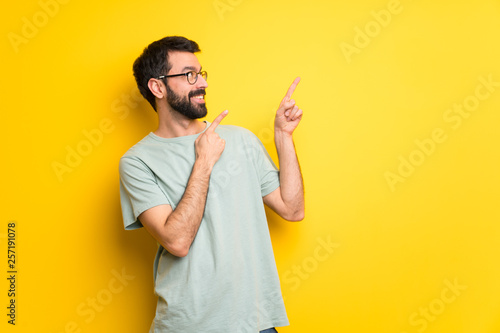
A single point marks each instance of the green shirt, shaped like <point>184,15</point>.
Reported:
<point>228,282</point>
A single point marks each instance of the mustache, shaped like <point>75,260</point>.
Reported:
<point>197,92</point>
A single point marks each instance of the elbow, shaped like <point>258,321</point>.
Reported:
<point>181,253</point>
<point>178,249</point>
<point>301,216</point>
<point>177,245</point>
<point>296,215</point>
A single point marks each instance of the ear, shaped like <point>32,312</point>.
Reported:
<point>157,88</point>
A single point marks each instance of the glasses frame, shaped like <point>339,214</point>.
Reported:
<point>203,74</point>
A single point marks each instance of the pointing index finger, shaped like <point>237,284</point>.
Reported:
<point>217,121</point>
<point>292,88</point>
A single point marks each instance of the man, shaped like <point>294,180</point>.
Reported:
<point>198,188</point>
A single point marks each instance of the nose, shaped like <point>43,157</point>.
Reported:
<point>201,82</point>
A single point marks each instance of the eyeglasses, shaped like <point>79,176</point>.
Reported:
<point>191,76</point>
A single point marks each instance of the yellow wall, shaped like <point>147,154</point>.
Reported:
<point>398,147</point>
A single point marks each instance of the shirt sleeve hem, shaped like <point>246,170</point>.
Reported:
<point>136,224</point>
<point>270,188</point>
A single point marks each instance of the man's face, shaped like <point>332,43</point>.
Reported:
<point>185,98</point>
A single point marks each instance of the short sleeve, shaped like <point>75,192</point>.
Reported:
<point>139,191</point>
<point>266,169</point>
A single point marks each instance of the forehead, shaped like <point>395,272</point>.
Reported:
<point>183,61</point>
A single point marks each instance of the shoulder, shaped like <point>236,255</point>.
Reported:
<point>140,147</point>
<point>134,157</point>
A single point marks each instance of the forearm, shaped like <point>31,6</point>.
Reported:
<point>182,224</point>
<point>291,183</point>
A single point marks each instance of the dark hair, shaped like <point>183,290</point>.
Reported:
<point>153,62</point>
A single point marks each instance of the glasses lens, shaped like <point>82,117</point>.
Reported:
<point>192,77</point>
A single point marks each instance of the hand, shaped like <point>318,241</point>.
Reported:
<point>209,145</point>
<point>288,115</point>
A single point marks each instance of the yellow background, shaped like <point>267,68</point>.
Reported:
<point>394,249</point>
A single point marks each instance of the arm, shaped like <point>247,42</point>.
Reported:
<point>176,229</point>
<point>288,199</point>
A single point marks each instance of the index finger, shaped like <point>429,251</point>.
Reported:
<point>292,87</point>
<point>217,121</point>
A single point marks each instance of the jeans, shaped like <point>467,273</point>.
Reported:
<point>269,330</point>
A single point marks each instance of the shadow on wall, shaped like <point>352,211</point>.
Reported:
<point>137,247</point>
<point>282,232</point>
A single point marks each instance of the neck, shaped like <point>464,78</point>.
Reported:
<point>172,124</point>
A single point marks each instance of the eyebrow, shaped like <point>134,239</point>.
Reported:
<point>191,68</point>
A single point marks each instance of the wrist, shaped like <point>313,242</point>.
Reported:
<point>283,142</point>
<point>203,165</point>
<point>280,135</point>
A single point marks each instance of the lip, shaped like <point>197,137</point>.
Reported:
<point>198,100</point>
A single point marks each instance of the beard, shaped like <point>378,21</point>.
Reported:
<point>184,106</point>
